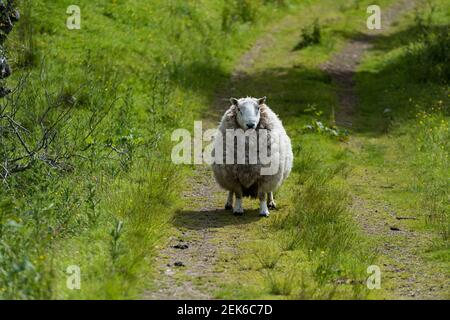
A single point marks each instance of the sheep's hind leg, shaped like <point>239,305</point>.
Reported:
<point>229,204</point>
<point>270,201</point>
<point>263,210</point>
<point>238,210</point>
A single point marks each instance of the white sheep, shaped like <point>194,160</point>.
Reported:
<point>249,177</point>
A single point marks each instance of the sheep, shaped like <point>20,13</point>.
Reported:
<point>253,118</point>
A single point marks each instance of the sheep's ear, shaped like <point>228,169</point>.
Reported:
<point>262,100</point>
<point>234,101</point>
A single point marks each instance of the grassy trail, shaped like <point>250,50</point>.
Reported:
<point>208,253</point>
<point>409,276</point>
<point>204,232</point>
<point>343,66</point>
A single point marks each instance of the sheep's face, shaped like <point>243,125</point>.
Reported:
<point>248,111</point>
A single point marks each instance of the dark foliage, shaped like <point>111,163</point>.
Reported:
<point>8,16</point>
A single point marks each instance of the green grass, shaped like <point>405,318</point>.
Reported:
<point>134,72</point>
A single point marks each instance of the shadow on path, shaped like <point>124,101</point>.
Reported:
<point>211,219</point>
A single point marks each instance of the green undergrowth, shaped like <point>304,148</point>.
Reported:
<point>97,106</point>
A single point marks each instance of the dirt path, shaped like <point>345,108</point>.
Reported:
<point>188,266</point>
<point>204,233</point>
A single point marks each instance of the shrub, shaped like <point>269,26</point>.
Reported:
<point>428,58</point>
<point>239,11</point>
<point>311,35</point>
<point>280,283</point>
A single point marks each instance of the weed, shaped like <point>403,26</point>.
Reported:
<point>280,283</point>
<point>311,35</point>
<point>428,57</point>
<point>269,257</point>
<point>115,244</point>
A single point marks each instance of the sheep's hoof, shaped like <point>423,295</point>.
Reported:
<point>228,206</point>
<point>264,213</point>
<point>272,205</point>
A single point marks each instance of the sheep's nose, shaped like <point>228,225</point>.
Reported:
<point>251,125</point>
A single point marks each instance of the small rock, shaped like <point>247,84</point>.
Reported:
<point>169,272</point>
<point>179,264</point>
<point>4,92</point>
<point>181,246</point>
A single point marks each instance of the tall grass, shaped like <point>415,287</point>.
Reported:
<point>319,224</point>
<point>428,56</point>
<point>432,164</point>
<point>313,248</point>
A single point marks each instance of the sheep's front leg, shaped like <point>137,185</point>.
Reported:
<point>229,204</point>
<point>238,210</point>
<point>270,201</point>
<point>263,210</point>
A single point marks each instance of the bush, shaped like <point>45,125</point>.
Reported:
<point>311,35</point>
<point>8,16</point>
<point>428,58</point>
<point>239,11</point>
